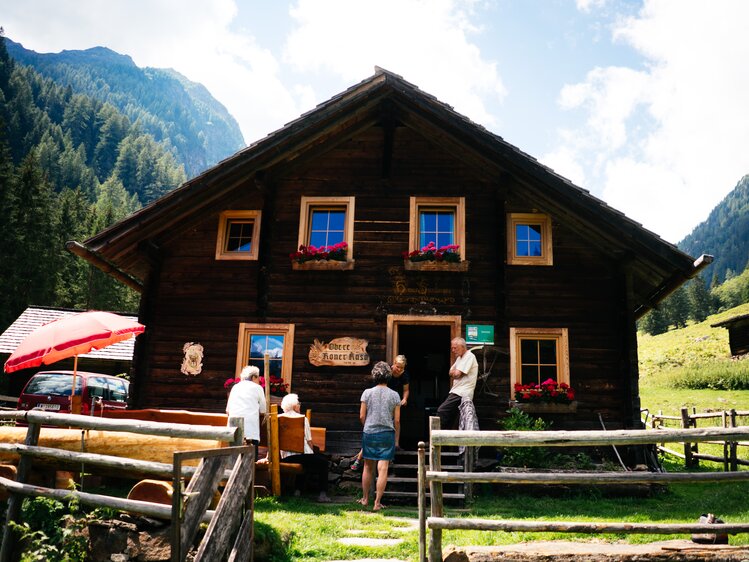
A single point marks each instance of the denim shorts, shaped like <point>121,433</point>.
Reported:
<point>379,446</point>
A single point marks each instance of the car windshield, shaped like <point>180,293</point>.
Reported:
<point>53,384</point>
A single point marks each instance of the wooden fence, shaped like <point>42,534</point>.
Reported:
<point>434,478</point>
<point>190,504</point>
<point>691,453</point>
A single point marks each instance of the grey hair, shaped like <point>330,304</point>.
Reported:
<point>381,372</point>
<point>459,341</point>
<point>248,371</point>
<point>400,359</point>
<point>289,401</point>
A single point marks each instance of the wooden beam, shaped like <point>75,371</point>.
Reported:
<point>584,438</point>
<point>584,527</point>
<point>97,260</point>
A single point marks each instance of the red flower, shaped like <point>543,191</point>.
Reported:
<point>547,391</point>
<point>230,382</point>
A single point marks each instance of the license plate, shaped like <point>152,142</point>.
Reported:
<point>47,407</point>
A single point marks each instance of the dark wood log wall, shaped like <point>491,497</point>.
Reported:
<point>197,298</point>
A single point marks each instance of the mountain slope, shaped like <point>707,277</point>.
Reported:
<point>725,234</point>
<point>163,102</point>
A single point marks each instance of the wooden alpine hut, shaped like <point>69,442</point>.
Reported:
<point>548,278</point>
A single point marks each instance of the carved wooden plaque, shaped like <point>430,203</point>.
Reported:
<point>339,352</point>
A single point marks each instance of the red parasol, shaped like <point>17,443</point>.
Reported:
<point>70,337</point>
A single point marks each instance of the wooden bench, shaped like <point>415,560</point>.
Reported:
<point>286,434</point>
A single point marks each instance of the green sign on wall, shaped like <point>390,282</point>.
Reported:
<point>479,333</point>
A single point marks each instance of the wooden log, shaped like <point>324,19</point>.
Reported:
<point>9,472</point>
<point>198,496</point>
<point>671,452</point>
<point>225,434</point>
<point>141,447</point>
<point>435,492</point>
<point>706,457</point>
<point>422,501</point>
<point>586,478</point>
<point>219,532</point>
<point>584,527</point>
<point>583,438</point>
<point>31,438</point>
<point>143,508</point>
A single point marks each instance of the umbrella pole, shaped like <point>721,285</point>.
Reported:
<point>75,405</point>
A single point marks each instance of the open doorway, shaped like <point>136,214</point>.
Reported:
<point>426,344</point>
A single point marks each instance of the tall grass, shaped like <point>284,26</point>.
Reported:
<point>716,375</point>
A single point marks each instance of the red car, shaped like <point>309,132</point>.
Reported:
<point>50,390</point>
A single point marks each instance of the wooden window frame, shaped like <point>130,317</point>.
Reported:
<point>560,335</point>
<point>547,255</point>
<point>456,203</point>
<point>224,220</point>
<point>395,321</point>
<point>308,204</point>
<point>246,330</point>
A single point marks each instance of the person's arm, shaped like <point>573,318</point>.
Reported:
<point>406,393</point>
<point>363,413</point>
<point>397,418</point>
<point>456,371</point>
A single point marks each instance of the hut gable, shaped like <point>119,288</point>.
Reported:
<point>384,167</point>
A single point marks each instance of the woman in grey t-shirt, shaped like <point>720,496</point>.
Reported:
<point>380,416</point>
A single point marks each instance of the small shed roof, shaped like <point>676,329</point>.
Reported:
<point>36,316</point>
<point>731,321</point>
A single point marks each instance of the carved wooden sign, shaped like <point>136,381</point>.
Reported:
<point>339,352</point>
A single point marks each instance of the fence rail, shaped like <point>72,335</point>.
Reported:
<point>434,477</point>
<point>204,478</point>
<point>691,453</point>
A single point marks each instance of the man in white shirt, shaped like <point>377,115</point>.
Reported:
<point>247,400</point>
<point>463,374</point>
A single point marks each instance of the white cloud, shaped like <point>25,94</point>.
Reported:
<point>428,43</point>
<point>588,5</point>
<point>564,162</point>
<point>676,132</point>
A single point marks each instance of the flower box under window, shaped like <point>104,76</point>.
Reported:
<point>325,265</point>
<point>544,407</point>
<point>435,265</point>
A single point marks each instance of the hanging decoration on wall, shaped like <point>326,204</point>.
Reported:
<point>192,364</point>
<point>339,352</point>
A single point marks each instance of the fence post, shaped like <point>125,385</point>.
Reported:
<point>685,424</point>
<point>695,446</point>
<point>422,502</point>
<point>435,492</point>
<point>726,444</point>
<point>15,500</point>
<point>734,444</point>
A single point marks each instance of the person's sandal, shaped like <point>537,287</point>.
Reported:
<point>356,465</point>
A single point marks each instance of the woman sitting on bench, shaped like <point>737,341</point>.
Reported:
<point>314,463</point>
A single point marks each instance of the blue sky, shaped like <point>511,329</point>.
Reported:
<point>641,102</point>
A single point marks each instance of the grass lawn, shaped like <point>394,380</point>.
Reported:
<point>310,531</point>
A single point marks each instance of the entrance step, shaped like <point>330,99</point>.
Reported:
<point>403,480</point>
